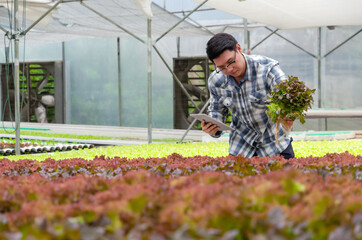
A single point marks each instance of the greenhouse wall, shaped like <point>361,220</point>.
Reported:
<point>134,100</point>
<point>91,79</point>
<point>92,82</point>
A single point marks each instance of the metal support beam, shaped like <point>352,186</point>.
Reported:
<point>174,26</point>
<point>41,18</point>
<point>339,45</point>
<point>186,11</point>
<point>201,26</point>
<point>194,121</point>
<point>3,29</point>
<point>264,39</point>
<point>149,78</point>
<point>119,80</point>
<point>309,53</point>
<point>319,67</point>
<point>176,78</point>
<point>192,20</point>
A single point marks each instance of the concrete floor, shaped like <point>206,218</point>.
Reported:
<point>121,135</point>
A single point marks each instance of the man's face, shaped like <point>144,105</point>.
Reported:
<point>229,62</point>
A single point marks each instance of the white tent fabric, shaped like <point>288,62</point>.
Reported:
<point>294,14</point>
<point>73,20</point>
<point>34,8</point>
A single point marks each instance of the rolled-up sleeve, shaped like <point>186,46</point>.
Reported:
<point>275,76</point>
<point>216,108</point>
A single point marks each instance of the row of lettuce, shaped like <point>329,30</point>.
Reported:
<point>175,165</point>
<point>177,197</point>
<point>301,149</point>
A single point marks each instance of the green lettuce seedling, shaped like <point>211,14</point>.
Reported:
<point>289,99</point>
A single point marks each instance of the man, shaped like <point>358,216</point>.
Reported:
<point>241,84</point>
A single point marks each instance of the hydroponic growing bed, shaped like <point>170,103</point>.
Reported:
<point>178,191</point>
<point>7,146</point>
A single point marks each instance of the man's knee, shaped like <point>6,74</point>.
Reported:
<point>288,152</point>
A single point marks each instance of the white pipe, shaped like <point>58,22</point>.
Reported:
<point>16,79</point>
<point>149,78</point>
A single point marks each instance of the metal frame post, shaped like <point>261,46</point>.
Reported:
<point>246,36</point>
<point>16,36</point>
<point>149,78</point>
<point>16,79</point>
<point>119,80</point>
<point>319,58</point>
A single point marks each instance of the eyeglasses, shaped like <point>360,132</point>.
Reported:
<point>224,68</point>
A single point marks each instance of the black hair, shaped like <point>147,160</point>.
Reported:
<point>218,44</point>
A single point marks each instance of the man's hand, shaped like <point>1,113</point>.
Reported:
<point>289,122</point>
<point>209,128</point>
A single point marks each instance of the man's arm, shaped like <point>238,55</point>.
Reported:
<point>275,76</point>
<point>217,111</point>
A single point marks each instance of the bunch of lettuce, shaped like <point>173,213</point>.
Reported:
<point>289,100</point>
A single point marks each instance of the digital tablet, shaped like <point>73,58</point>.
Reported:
<point>208,119</point>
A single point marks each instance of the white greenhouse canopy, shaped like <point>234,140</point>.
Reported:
<point>294,14</point>
<point>75,18</point>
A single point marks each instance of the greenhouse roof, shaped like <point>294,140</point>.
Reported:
<point>293,14</point>
<point>74,19</point>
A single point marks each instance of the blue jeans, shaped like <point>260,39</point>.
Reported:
<point>287,153</point>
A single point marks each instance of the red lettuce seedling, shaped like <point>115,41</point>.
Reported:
<point>289,99</point>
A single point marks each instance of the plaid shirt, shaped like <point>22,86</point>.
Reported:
<point>254,130</point>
